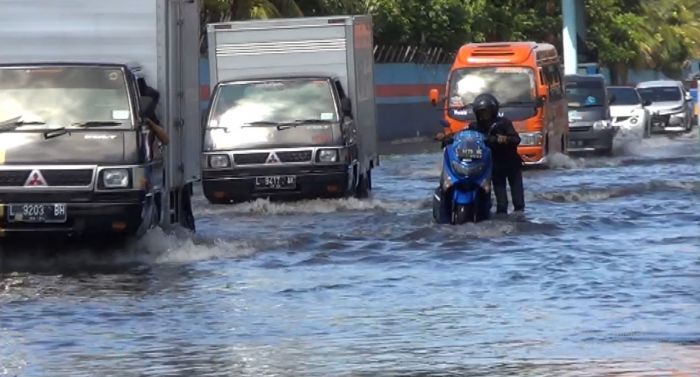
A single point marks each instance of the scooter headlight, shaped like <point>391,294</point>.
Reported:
<point>470,170</point>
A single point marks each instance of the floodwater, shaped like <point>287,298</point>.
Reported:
<point>600,278</point>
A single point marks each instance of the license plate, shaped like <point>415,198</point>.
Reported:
<point>285,182</point>
<point>36,213</point>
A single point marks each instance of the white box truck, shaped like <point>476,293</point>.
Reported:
<point>77,153</point>
<point>292,111</point>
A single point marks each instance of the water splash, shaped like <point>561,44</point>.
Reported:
<point>316,206</point>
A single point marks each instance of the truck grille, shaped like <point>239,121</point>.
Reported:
<point>250,158</point>
<point>259,158</point>
<point>81,177</point>
<point>66,177</point>
<point>580,129</point>
<point>295,156</point>
<point>13,178</point>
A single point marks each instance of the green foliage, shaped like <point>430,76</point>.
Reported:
<point>660,34</point>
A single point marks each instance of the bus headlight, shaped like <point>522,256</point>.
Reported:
<point>534,138</point>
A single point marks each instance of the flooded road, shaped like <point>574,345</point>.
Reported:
<point>600,278</point>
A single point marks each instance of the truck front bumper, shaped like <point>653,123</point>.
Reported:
<point>588,139</point>
<point>238,185</point>
<point>117,214</point>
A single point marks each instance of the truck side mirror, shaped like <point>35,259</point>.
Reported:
<point>612,99</point>
<point>346,106</point>
<point>434,95</point>
<point>688,97</point>
<point>540,101</point>
<point>646,103</point>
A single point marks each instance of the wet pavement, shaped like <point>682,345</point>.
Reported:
<point>600,278</point>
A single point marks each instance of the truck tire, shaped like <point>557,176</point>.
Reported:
<point>151,218</point>
<point>364,185</point>
<point>187,216</point>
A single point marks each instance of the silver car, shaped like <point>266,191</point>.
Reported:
<point>671,106</point>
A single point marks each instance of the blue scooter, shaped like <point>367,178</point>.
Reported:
<point>464,194</point>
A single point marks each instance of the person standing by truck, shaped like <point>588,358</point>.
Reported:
<point>151,118</point>
<point>153,123</point>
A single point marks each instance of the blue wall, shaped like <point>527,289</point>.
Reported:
<point>403,108</point>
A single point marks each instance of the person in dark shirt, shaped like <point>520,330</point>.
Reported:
<point>150,111</point>
<point>503,140</point>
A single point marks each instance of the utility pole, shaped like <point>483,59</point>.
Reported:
<point>569,36</point>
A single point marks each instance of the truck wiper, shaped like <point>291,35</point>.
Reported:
<point>11,124</point>
<point>96,123</point>
<point>518,103</point>
<point>299,122</point>
<point>263,123</point>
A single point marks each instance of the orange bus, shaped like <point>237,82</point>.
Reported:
<point>526,79</point>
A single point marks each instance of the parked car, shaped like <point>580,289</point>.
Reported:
<point>671,105</point>
<point>629,111</point>
<point>590,126</point>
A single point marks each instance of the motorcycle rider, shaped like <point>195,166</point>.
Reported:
<point>503,141</point>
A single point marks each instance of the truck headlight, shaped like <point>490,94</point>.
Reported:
<point>115,178</point>
<point>601,125</point>
<point>534,138</point>
<point>219,161</point>
<point>328,155</point>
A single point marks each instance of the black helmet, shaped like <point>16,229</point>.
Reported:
<point>485,101</point>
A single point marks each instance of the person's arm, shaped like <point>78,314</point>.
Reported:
<point>155,97</point>
<point>508,134</point>
<point>158,131</point>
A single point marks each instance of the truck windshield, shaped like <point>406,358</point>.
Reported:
<point>272,103</point>
<point>64,97</point>
<point>661,94</point>
<point>510,85</point>
<point>585,93</point>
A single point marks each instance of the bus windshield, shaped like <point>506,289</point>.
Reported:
<point>510,85</point>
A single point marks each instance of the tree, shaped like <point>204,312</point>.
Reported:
<point>671,34</point>
<point>227,10</point>
<point>614,31</point>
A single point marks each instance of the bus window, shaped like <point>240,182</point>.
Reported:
<point>507,84</point>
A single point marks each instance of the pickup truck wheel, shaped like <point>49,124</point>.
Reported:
<point>364,186</point>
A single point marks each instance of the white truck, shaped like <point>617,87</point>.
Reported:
<point>292,111</point>
<point>77,154</point>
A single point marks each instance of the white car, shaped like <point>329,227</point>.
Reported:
<point>671,108</point>
<point>629,111</point>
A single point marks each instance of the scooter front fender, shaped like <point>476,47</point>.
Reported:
<point>463,197</point>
